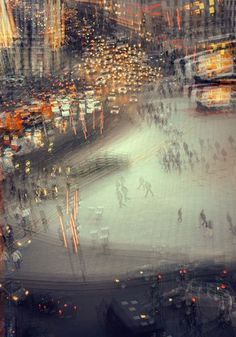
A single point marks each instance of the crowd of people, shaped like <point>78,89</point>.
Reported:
<point>178,154</point>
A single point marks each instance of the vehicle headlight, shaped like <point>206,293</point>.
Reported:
<point>26,292</point>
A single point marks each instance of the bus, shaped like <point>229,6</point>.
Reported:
<point>213,61</point>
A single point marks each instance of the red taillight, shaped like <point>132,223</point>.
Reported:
<point>75,307</point>
<point>60,312</point>
<point>194,300</point>
<point>225,272</point>
<point>159,276</point>
<point>65,305</point>
<point>222,286</point>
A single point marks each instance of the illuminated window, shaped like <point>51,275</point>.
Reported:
<point>211,10</point>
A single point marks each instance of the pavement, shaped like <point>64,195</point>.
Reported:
<point>145,230</point>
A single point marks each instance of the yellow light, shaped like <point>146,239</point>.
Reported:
<point>15,298</point>
<point>211,10</point>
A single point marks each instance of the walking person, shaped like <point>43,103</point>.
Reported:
<point>203,220</point>
<point>124,191</point>
<point>148,188</point>
<point>231,140</point>
<point>45,225</point>
<point>224,154</point>
<point>180,215</point>
<point>230,221</point>
<point>120,198</point>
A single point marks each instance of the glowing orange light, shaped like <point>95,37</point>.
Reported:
<point>63,232</point>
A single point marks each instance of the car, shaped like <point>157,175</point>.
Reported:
<point>122,90</point>
<point>36,120</point>
<point>115,110</point>
<point>23,242</point>
<point>89,91</point>
<point>60,307</point>
<point>133,99</point>
<point>100,81</point>
<point>111,97</point>
<point>14,291</point>
<point>8,152</point>
<point>176,298</point>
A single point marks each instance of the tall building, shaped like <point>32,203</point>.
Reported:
<point>8,34</point>
<point>41,35</point>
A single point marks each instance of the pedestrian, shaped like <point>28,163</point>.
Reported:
<point>180,215</point>
<point>141,183</point>
<point>19,195</point>
<point>45,225</point>
<point>17,259</point>
<point>148,188</point>
<point>207,167</point>
<point>203,219</point>
<point>201,142</point>
<point>224,154</point>
<point>231,140</point>
<point>124,191</point>
<point>229,220</point>
<point>120,198</point>
<point>68,186</point>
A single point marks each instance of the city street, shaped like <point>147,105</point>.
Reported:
<point>117,168</point>
<point>146,229</point>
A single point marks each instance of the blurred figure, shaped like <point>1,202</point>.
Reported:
<point>45,225</point>
<point>124,191</point>
<point>148,189</point>
<point>141,183</point>
<point>203,220</point>
<point>120,198</point>
<point>180,215</point>
<point>229,220</point>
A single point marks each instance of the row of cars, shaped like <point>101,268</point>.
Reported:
<point>116,70</point>
<point>43,303</point>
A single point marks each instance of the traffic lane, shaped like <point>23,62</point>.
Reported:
<point>69,144</point>
<point>89,299</point>
<point>88,321</point>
